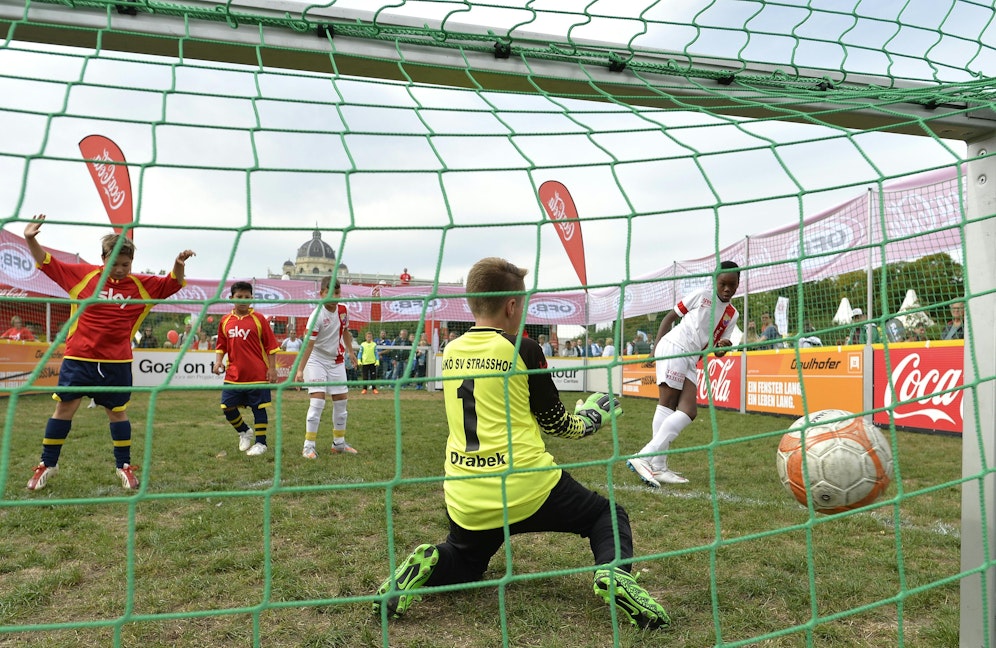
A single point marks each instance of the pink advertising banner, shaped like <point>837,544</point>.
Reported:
<point>926,206</point>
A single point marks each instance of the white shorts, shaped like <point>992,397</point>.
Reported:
<point>323,373</point>
<point>674,368</point>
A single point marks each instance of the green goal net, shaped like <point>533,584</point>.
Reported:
<point>414,137</point>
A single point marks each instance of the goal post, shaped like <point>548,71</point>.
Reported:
<point>978,526</point>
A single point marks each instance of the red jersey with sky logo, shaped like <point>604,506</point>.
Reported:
<point>248,340</point>
<point>105,327</point>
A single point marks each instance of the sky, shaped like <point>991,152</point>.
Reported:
<point>241,164</point>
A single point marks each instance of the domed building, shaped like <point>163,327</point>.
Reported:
<point>315,258</point>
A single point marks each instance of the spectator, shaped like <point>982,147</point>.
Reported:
<point>809,338</point>
<point>369,360</point>
<point>386,356</point>
<point>203,342</point>
<point>859,334</point>
<point>609,350</point>
<point>148,340</point>
<point>545,345</point>
<point>449,338</point>
<point>917,334</point>
<point>567,349</point>
<point>18,331</point>
<point>402,354</point>
<point>292,342</point>
<point>955,329</point>
<point>769,333</point>
<point>421,360</point>
<point>642,345</point>
<point>750,335</point>
<point>405,277</point>
<point>183,335</point>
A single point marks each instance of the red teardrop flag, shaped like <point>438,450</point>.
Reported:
<point>112,180</point>
<point>560,209</point>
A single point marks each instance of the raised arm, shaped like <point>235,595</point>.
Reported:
<point>179,266</point>
<point>30,233</point>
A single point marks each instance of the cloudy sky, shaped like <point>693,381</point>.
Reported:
<point>242,164</point>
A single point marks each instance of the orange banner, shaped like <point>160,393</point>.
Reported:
<point>831,378</point>
<point>19,359</point>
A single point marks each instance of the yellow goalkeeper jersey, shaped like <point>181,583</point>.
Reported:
<point>494,444</point>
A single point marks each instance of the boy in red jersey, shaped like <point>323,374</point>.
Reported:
<point>98,345</point>
<point>252,360</point>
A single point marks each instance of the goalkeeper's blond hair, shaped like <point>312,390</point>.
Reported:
<point>493,275</point>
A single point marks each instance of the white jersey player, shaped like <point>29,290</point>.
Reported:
<point>322,362</point>
<point>707,320</point>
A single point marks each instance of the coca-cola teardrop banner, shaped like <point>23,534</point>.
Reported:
<point>107,167</point>
<point>560,209</point>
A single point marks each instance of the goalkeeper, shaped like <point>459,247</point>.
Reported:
<point>497,466</point>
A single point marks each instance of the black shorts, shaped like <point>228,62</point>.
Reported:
<point>254,398</point>
<point>86,373</point>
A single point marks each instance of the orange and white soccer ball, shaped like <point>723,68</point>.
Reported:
<point>848,461</point>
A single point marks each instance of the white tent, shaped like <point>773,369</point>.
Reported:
<point>843,315</point>
<point>915,318</point>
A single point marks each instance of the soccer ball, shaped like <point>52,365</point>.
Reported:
<point>848,461</point>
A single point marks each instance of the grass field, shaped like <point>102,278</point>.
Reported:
<point>220,549</point>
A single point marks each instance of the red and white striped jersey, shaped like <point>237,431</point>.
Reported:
<point>704,319</point>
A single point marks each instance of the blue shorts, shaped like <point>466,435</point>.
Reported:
<point>84,373</point>
<point>254,398</point>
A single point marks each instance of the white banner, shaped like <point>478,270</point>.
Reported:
<point>194,369</point>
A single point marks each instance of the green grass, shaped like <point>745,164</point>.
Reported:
<point>221,549</point>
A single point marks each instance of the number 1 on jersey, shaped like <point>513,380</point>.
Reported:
<point>465,392</point>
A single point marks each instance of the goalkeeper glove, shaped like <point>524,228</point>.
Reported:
<point>596,409</point>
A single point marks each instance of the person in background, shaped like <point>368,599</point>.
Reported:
<point>567,350</point>
<point>504,413</point>
<point>402,354</point>
<point>405,277</point>
<point>545,345</point>
<point>203,342</point>
<point>183,334</point>
<point>292,342</point>
<point>917,334</point>
<point>769,332</point>
<point>148,340</point>
<point>449,338</point>
<point>18,331</point>
<point>386,356</point>
<point>369,360</point>
<point>609,350</point>
<point>955,329</point>
<point>422,359</point>
<point>859,334</point>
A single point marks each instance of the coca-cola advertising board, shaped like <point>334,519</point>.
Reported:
<point>724,381</point>
<point>831,378</point>
<point>923,376</point>
<point>640,380</point>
